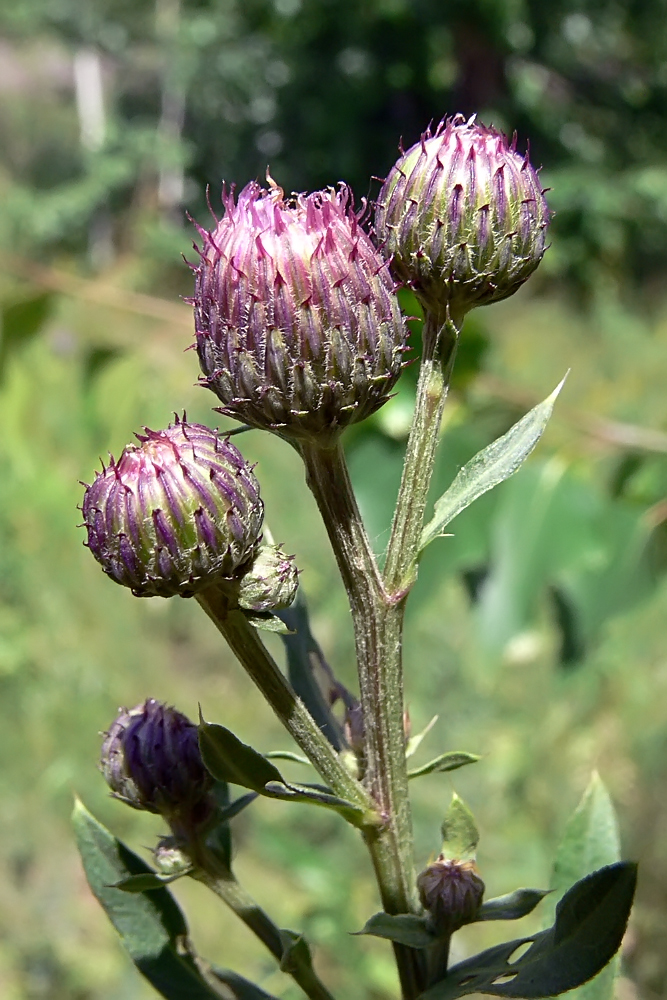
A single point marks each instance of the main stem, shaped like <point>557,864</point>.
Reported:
<point>264,671</point>
<point>378,647</point>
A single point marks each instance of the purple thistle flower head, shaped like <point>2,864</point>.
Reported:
<point>175,513</point>
<point>151,760</point>
<point>463,217</point>
<point>298,328</point>
<point>452,892</point>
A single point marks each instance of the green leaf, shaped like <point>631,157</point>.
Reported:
<point>491,466</point>
<point>315,796</point>
<point>406,928</point>
<point>591,839</point>
<point>512,906</point>
<point>265,621</point>
<point>241,988</point>
<point>445,762</point>
<point>296,952</point>
<point>459,831</point>
<point>414,742</point>
<point>21,321</point>
<point>151,925</point>
<point>228,759</point>
<point>286,755</point>
<point>147,882</point>
<point>237,806</point>
<point>590,923</point>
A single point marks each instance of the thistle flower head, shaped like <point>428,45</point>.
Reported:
<point>150,759</point>
<point>174,513</point>
<point>452,892</point>
<point>297,325</point>
<point>463,216</point>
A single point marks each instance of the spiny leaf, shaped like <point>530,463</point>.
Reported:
<point>491,466</point>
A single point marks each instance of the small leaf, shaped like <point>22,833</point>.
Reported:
<point>265,621</point>
<point>151,925</point>
<point>237,806</point>
<point>296,952</point>
<point>415,741</point>
<point>312,795</point>
<point>512,906</point>
<point>147,882</point>
<point>491,466</point>
<point>228,759</point>
<point>406,928</point>
<point>241,988</point>
<point>286,755</point>
<point>20,322</point>
<point>590,923</point>
<point>459,831</point>
<point>445,762</point>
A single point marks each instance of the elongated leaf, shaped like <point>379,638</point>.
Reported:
<point>147,882</point>
<point>228,759</point>
<point>314,796</point>
<point>286,755</point>
<point>241,988</point>
<point>590,923</point>
<point>591,839</point>
<point>305,662</point>
<point>445,762</point>
<point>405,928</point>
<point>459,831</point>
<point>491,466</point>
<point>414,742</point>
<point>237,806</point>
<point>512,906</point>
<point>151,925</point>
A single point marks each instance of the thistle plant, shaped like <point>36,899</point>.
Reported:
<point>299,333</point>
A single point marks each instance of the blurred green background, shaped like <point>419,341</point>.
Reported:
<point>537,632</point>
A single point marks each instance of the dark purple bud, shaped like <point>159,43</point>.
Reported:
<point>151,760</point>
<point>462,216</point>
<point>175,513</point>
<point>451,891</point>
<point>298,327</point>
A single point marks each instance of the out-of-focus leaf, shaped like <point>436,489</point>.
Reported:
<point>304,658</point>
<point>151,925</point>
<point>591,839</point>
<point>459,831</point>
<point>493,465</point>
<point>147,882</point>
<point>450,761</point>
<point>20,322</point>
<point>404,928</point>
<point>512,906</point>
<point>590,923</point>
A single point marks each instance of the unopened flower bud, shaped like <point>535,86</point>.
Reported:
<point>298,327</point>
<point>174,513</point>
<point>451,891</point>
<point>463,216</point>
<point>271,581</point>
<point>151,760</point>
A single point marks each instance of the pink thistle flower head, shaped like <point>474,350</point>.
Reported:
<point>298,328</point>
<point>463,217</point>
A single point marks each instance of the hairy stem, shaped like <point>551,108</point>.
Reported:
<point>225,886</point>
<point>377,622</point>
<point>264,671</point>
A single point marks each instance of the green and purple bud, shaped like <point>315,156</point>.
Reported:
<point>463,217</point>
<point>176,513</point>
<point>298,327</point>
<point>451,891</point>
<point>271,581</point>
<point>151,760</point>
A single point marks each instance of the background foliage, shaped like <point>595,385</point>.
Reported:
<point>536,631</point>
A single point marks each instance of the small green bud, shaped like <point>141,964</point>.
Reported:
<point>271,582</point>
<point>452,892</point>
<point>175,513</point>
<point>462,216</point>
<point>298,326</point>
